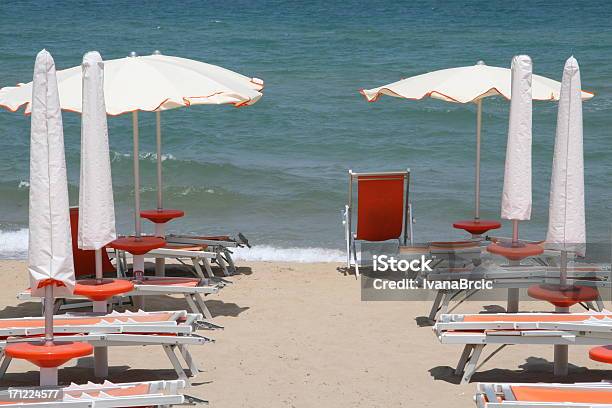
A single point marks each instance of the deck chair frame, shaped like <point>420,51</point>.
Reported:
<point>351,238</point>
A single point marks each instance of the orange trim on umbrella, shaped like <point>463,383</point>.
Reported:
<point>50,281</point>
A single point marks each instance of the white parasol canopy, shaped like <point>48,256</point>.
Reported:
<point>148,83</point>
<point>96,205</point>
<point>467,84</point>
<point>50,243</point>
<point>516,196</point>
<point>566,214</point>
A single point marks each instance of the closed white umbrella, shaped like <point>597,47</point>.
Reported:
<point>566,214</point>
<point>96,204</point>
<point>464,85</point>
<point>148,83</point>
<point>50,264</point>
<point>516,195</point>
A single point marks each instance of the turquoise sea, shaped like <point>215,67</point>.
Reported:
<point>277,170</point>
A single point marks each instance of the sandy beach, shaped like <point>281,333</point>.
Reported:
<point>298,335</point>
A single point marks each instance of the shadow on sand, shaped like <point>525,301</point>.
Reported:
<point>535,369</point>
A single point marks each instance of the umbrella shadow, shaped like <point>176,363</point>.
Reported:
<point>535,369</point>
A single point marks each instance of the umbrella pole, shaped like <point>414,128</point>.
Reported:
<point>99,306</point>
<point>513,293</point>
<point>138,262</point>
<point>561,351</point>
<point>159,227</point>
<point>478,133</point>
<point>48,375</point>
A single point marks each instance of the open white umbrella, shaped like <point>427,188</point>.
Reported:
<point>50,265</point>
<point>147,83</point>
<point>464,85</point>
<point>516,195</point>
<point>566,213</point>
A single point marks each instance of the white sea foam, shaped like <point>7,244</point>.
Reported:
<point>269,253</point>
<point>14,244</point>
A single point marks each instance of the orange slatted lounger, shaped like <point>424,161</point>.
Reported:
<point>174,331</point>
<point>475,331</point>
<point>592,395</point>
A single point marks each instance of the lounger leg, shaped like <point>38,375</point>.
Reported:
<point>436,304</point>
<point>6,361</point>
<point>600,304</point>
<point>101,362</point>
<point>445,302</point>
<point>513,300</point>
<point>169,349</point>
<point>207,268</point>
<point>221,262</point>
<point>355,257</point>
<point>192,306</point>
<point>198,299</point>
<point>189,360</point>
<point>471,365</point>
<point>463,359</point>
<point>230,261</point>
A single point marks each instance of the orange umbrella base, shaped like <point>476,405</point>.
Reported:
<point>92,289</point>
<point>563,295</point>
<point>48,355</point>
<point>602,354</point>
<point>137,245</point>
<point>161,216</point>
<point>477,227</point>
<point>515,252</point>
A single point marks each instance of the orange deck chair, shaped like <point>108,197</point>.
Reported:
<point>384,211</point>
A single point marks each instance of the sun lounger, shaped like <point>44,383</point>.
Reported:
<point>517,395</point>
<point>475,331</point>
<point>105,395</point>
<point>174,331</point>
<point>219,244</point>
<point>507,276</point>
<point>384,211</point>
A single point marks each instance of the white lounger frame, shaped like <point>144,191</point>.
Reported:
<point>220,248</point>
<point>194,295</point>
<point>178,336</point>
<point>451,329</point>
<point>487,395</point>
<point>514,277</point>
<point>161,394</point>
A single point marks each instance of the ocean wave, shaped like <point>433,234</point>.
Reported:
<point>14,244</point>
<point>116,156</point>
<point>270,253</point>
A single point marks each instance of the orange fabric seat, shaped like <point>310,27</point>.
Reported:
<point>552,317</point>
<point>48,355</point>
<point>380,207</point>
<point>602,354</point>
<point>563,296</point>
<point>561,395</point>
<point>186,247</point>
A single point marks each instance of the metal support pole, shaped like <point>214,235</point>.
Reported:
<point>160,263</point>
<point>101,362</point>
<point>160,203</point>
<point>137,224</point>
<point>49,314</point>
<point>515,232</point>
<point>478,132</point>
<point>99,274</point>
<point>48,376</point>
<point>561,351</point>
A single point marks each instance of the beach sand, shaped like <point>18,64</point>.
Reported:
<point>297,335</point>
